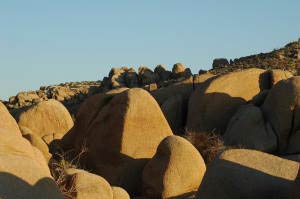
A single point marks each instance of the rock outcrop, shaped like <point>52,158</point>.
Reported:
<point>119,133</point>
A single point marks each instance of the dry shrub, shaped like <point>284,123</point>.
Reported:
<point>209,145</point>
<point>58,168</point>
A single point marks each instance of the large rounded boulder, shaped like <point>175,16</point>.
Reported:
<point>241,173</point>
<point>176,169</point>
<point>46,117</point>
<point>119,133</point>
<point>86,185</point>
<point>212,105</point>
<point>23,171</point>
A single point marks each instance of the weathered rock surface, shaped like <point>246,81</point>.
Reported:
<point>45,118</point>
<point>23,171</point>
<point>211,106</point>
<point>242,173</point>
<point>178,169</point>
<point>121,132</point>
<point>248,129</point>
<point>87,185</point>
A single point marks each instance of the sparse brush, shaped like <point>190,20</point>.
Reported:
<point>209,145</point>
<point>58,170</point>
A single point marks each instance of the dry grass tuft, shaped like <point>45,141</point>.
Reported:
<point>58,170</point>
<point>209,145</point>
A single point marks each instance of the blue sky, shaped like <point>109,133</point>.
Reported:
<point>46,42</point>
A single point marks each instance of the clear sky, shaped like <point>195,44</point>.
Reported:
<point>46,42</point>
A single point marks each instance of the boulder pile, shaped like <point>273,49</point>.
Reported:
<point>130,136</point>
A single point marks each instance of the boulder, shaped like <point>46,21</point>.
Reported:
<point>212,105</point>
<point>122,77</point>
<point>26,98</point>
<point>147,76</point>
<point>201,79</point>
<point>116,77</point>
<point>220,63</point>
<point>174,102</point>
<point>45,118</point>
<point>120,132</point>
<point>277,75</point>
<point>178,68</point>
<point>37,142</point>
<point>247,129</point>
<point>260,98</point>
<point>175,109</point>
<point>179,71</point>
<point>86,114</point>
<point>23,171</point>
<point>281,109</point>
<point>131,78</point>
<point>176,169</point>
<point>241,173</point>
<point>162,73</point>
<point>293,146</point>
<point>119,193</point>
<point>87,185</point>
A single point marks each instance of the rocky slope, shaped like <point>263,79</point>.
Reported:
<point>286,58</point>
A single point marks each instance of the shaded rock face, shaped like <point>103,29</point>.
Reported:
<point>174,160</point>
<point>162,73</point>
<point>147,76</point>
<point>241,173</point>
<point>174,102</point>
<point>121,132</point>
<point>23,171</point>
<point>248,129</point>
<point>281,109</point>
